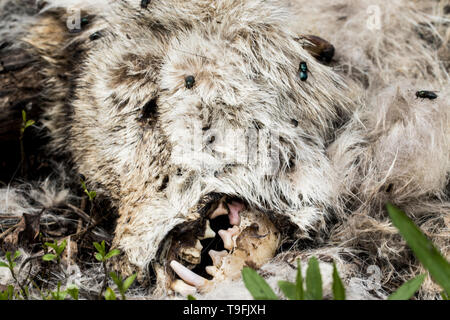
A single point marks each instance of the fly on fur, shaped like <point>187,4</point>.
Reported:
<point>144,4</point>
<point>426,94</point>
<point>303,71</point>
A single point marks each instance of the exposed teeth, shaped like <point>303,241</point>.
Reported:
<point>217,257</point>
<point>211,270</point>
<point>183,288</point>
<point>235,207</point>
<point>192,254</point>
<point>198,245</point>
<point>187,275</point>
<point>220,211</point>
<point>227,237</point>
<point>209,233</point>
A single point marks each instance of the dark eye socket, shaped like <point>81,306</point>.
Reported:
<point>189,82</point>
<point>150,110</point>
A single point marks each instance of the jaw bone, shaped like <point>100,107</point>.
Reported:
<point>251,243</point>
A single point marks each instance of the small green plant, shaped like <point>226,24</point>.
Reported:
<point>338,286</point>
<point>25,124</point>
<point>91,194</point>
<point>425,251</point>
<point>408,289</point>
<point>258,287</point>
<point>102,256</point>
<point>423,248</point>
<point>261,290</point>
<point>58,294</point>
<point>8,294</point>
<point>73,291</point>
<point>11,264</point>
<point>122,284</point>
<point>58,250</point>
<point>109,294</point>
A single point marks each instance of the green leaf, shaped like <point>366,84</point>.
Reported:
<point>190,297</point>
<point>117,279</point>
<point>92,195</point>
<point>83,185</point>
<point>29,123</point>
<point>98,256</point>
<point>313,280</point>
<point>8,294</point>
<point>4,264</point>
<point>423,248</point>
<point>299,282</point>
<point>408,289</point>
<point>73,292</point>
<point>99,248</point>
<point>257,286</point>
<point>24,116</point>
<point>49,257</point>
<point>16,255</point>
<point>338,286</point>
<point>444,296</point>
<point>61,247</point>
<point>59,295</point>
<point>289,289</point>
<point>109,294</point>
<point>128,282</point>
<point>112,253</point>
<point>54,245</point>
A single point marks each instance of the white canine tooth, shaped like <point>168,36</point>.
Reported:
<point>227,237</point>
<point>211,270</point>
<point>220,211</point>
<point>217,256</point>
<point>187,275</point>
<point>209,233</point>
<point>183,288</point>
<point>198,246</point>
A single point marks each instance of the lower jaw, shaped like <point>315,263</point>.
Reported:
<point>198,255</point>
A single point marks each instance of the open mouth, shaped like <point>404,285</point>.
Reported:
<point>230,235</point>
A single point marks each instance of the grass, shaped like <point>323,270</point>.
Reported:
<point>71,291</point>
<point>430,257</point>
<point>309,287</point>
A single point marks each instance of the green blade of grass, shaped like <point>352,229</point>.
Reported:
<point>49,257</point>
<point>423,248</point>
<point>313,280</point>
<point>299,282</point>
<point>289,289</point>
<point>129,281</point>
<point>257,286</point>
<point>338,286</point>
<point>109,294</point>
<point>408,289</point>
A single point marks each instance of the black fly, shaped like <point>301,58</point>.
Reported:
<point>426,94</point>
<point>303,71</point>
<point>189,82</point>
<point>144,4</point>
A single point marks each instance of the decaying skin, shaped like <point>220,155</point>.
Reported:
<point>187,112</point>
